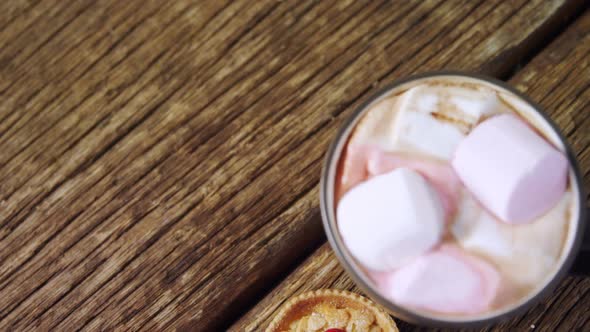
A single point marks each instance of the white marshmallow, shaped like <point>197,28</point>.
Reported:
<point>423,133</point>
<point>390,219</point>
<point>473,106</point>
<point>375,127</point>
<point>527,253</point>
<point>456,105</point>
<point>434,119</point>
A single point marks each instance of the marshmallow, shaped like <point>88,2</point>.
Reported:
<point>365,161</point>
<point>390,219</point>
<point>471,106</point>
<point>526,254</point>
<point>353,169</point>
<point>424,134</point>
<point>446,280</point>
<point>459,106</point>
<point>513,171</point>
<point>440,175</point>
<point>433,119</point>
<point>375,127</point>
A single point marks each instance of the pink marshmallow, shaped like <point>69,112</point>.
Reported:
<point>512,170</point>
<point>445,281</point>
<point>354,167</point>
<point>440,175</point>
<point>362,162</point>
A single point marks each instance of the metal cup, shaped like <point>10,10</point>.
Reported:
<point>578,245</point>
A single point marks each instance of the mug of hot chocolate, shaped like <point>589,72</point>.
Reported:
<point>452,200</point>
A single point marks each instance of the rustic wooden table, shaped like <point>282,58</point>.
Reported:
<point>159,160</point>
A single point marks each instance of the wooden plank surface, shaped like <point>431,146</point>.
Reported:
<point>159,159</point>
<point>559,79</point>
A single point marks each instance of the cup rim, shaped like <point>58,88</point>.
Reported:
<point>327,183</point>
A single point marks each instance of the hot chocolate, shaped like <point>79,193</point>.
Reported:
<point>454,197</point>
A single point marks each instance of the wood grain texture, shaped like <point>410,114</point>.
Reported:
<point>159,160</point>
<point>559,79</point>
